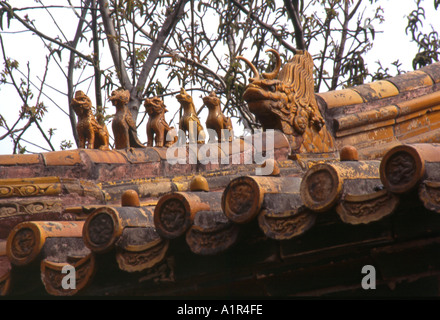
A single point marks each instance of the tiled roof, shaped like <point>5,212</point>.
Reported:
<point>305,228</point>
<point>375,117</point>
<point>270,226</point>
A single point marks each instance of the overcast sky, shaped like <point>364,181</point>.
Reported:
<point>389,45</point>
<point>393,43</point>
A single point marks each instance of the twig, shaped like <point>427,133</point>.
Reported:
<point>42,35</point>
<point>264,25</point>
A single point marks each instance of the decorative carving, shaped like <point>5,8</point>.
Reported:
<point>30,207</point>
<point>157,127</point>
<point>320,185</point>
<point>429,193</point>
<point>324,184</point>
<point>284,100</point>
<point>356,209</point>
<point>90,132</point>
<point>122,226</point>
<point>100,229</point>
<point>26,189</point>
<point>162,272</point>
<point>216,120</point>
<point>148,257</point>
<point>286,225</point>
<point>23,243</point>
<point>241,198</point>
<point>210,241</point>
<point>400,168</point>
<point>123,125</point>
<point>27,240</point>
<point>172,215</point>
<point>321,188</point>
<point>405,166</point>
<point>52,275</point>
<point>189,122</point>
<point>9,209</point>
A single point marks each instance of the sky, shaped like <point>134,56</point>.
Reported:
<point>393,43</point>
<point>389,45</point>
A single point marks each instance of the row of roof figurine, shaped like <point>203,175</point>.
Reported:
<point>93,135</point>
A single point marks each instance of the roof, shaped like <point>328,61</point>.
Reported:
<point>376,116</point>
<point>306,228</point>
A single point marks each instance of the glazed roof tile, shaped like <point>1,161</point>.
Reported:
<point>284,215</point>
<point>296,231</point>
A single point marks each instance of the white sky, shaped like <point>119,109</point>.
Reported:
<point>389,46</point>
<point>393,43</point>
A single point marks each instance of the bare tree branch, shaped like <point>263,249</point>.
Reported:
<point>42,35</point>
<point>199,65</point>
<point>114,45</point>
<point>292,9</point>
<point>71,65</point>
<point>340,50</point>
<point>96,67</point>
<point>170,22</point>
<point>265,26</point>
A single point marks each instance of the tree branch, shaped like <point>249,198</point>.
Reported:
<point>199,65</point>
<point>170,22</point>
<point>42,35</point>
<point>71,64</point>
<point>265,26</point>
<point>114,45</point>
<point>292,9</point>
<point>96,66</point>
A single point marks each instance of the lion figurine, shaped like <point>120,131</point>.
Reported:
<point>90,133</point>
<point>123,125</point>
<point>157,127</point>
<point>216,120</point>
<point>189,122</point>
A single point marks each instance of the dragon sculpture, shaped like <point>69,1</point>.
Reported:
<point>190,122</point>
<point>216,120</point>
<point>157,127</point>
<point>90,132</point>
<point>123,125</point>
<point>284,100</point>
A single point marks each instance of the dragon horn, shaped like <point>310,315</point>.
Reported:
<point>254,70</point>
<point>274,73</point>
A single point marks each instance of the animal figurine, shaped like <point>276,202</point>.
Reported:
<point>90,133</point>
<point>123,125</point>
<point>284,100</point>
<point>216,120</point>
<point>157,127</point>
<point>189,122</point>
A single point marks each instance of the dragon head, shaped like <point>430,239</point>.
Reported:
<point>284,98</point>
<point>154,106</point>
